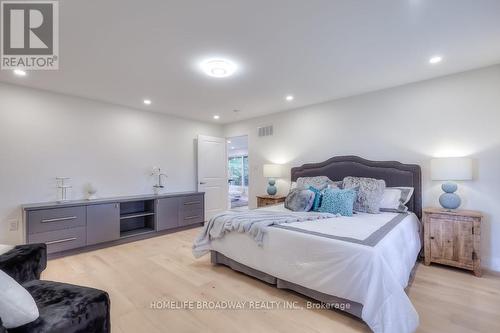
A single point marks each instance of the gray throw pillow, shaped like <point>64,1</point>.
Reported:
<point>299,200</point>
<point>318,182</point>
<point>370,193</point>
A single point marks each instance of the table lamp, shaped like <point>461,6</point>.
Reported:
<point>448,169</point>
<point>272,171</point>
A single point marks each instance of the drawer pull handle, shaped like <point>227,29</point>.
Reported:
<point>192,217</point>
<point>192,203</point>
<point>61,241</point>
<point>59,219</point>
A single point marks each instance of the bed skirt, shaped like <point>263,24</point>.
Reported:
<point>333,302</point>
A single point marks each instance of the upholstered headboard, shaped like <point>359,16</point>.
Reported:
<point>394,173</point>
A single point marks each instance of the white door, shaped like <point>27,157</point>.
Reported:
<point>212,174</point>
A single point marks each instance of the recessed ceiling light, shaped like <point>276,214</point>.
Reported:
<point>147,101</point>
<point>232,147</point>
<point>289,98</point>
<point>228,141</point>
<point>435,60</point>
<point>20,72</point>
<point>218,68</point>
<point>216,116</point>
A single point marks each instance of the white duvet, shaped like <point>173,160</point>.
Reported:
<point>373,276</point>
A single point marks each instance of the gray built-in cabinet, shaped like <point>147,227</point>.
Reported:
<point>79,225</point>
<point>103,223</point>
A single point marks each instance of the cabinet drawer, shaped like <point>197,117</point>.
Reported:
<point>55,219</point>
<point>191,202</point>
<point>61,240</point>
<point>191,216</point>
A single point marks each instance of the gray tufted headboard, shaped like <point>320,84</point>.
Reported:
<point>394,173</point>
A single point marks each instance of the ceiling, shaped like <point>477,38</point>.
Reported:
<point>125,51</point>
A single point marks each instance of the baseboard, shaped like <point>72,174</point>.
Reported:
<point>490,272</point>
<point>491,265</point>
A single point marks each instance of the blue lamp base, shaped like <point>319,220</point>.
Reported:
<point>271,188</point>
<point>449,199</point>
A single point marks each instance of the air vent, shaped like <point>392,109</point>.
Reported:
<point>266,131</point>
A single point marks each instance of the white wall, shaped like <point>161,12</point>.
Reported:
<point>44,135</point>
<point>458,115</point>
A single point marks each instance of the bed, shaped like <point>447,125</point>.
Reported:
<point>360,264</point>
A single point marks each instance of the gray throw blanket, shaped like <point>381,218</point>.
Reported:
<point>252,222</point>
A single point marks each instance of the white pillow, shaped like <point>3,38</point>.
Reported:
<point>396,198</point>
<point>17,306</point>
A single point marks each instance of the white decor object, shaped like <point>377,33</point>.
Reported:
<point>91,191</point>
<point>17,306</point>
<point>156,172</point>
<point>63,188</point>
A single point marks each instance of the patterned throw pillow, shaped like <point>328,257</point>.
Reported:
<point>317,198</point>
<point>337,201</point>
<point>299,200</point>
<point>369,194</point>
<point>318,182</point>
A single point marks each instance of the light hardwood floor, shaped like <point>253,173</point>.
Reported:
<point>162,268</point>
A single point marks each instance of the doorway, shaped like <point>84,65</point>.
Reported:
<point>237,159</point>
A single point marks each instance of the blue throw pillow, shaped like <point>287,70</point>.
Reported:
<point>337,201</point>
<point>317,198</point>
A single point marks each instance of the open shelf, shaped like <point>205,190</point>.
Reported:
<point>135,232</point>
<point>137,217</point>
<point>134,215</point>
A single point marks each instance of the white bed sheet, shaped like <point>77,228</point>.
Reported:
<point>373,276</point>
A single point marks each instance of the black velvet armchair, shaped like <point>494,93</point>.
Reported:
<point>63,307</point>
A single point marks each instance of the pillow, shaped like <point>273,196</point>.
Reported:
<point>293,185</point>
<point>369,194</point>
<point>318,182</point>
<point>337,184</point>
<point>17,306</point>
<point>317,198</point>
<point>395,199</point>
<point>299,200</point>
<point>337,201</point>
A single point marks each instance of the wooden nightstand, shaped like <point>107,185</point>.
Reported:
<point>453,238</point>
<point>269,200</point>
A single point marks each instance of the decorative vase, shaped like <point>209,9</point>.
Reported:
<point>271,188</point>
<point>449,199</point>
<point>91,192</point>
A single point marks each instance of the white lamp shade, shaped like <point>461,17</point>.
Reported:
<point>451,168</point>
<point>272,170</point>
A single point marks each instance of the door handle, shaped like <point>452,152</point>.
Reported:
<point>202,183</point>
<point>59,219</point>
<point>61,241</point>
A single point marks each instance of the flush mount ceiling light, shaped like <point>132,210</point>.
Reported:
<point>20,72</point>
<point>435,60</point>
<point>216,117</point>
<point>289,98</point>
<point>218,68</point>
<point>147,101</point>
